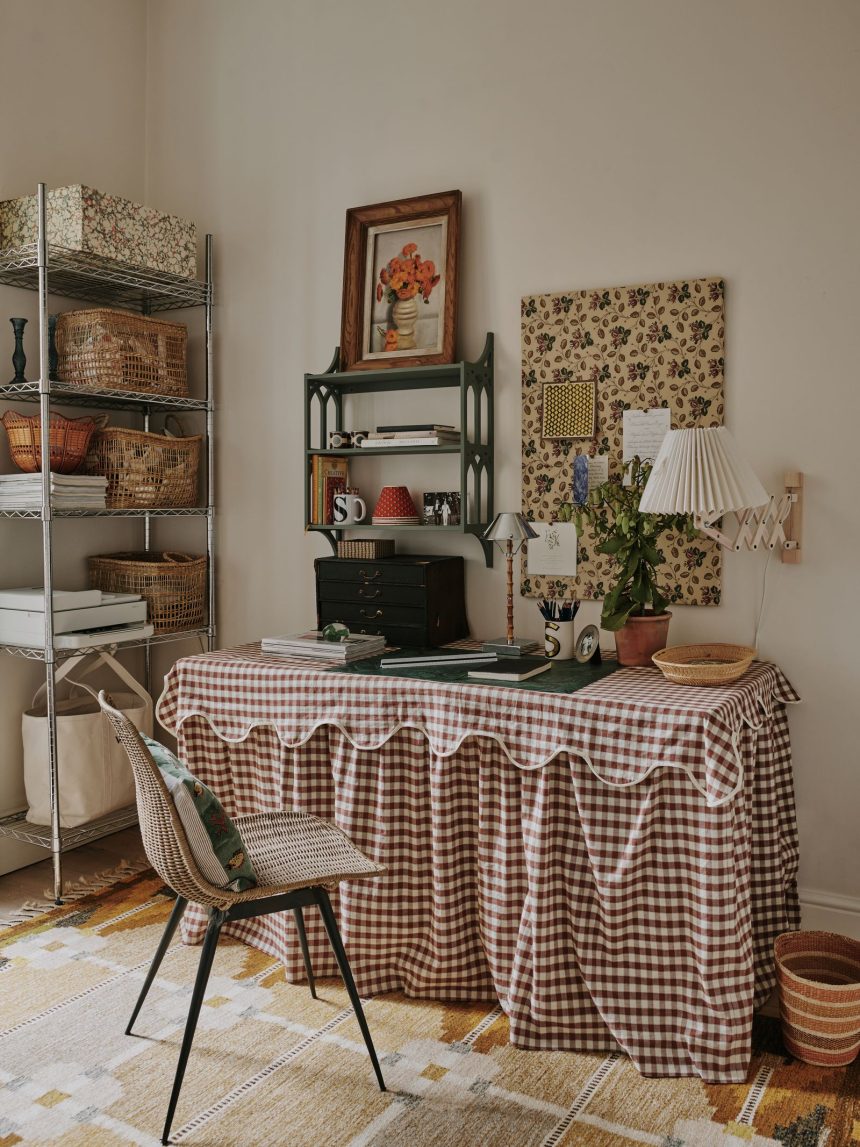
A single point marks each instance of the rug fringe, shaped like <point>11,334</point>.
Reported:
<point>74,890</point>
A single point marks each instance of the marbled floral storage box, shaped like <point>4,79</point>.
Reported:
<point>82,219</point>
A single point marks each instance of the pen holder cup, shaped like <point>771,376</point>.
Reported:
<point>558,640</point>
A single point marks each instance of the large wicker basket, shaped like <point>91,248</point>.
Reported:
<point>174,585</point>
<point>117,350</point>
<point>69,438</point>
<point>819,996</point>
<point>145,471</point>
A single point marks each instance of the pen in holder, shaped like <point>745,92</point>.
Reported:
<point>558,638</point>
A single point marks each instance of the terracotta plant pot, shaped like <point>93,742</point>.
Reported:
<point>640,637</point>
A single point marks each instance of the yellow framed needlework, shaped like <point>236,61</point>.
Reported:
<point>569,409</point>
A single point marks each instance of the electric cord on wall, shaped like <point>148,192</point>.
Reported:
<point>760,613</point>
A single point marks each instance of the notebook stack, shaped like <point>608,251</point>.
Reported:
<point>423,434</point>
<point>315,647</point>
<point>68,492</point>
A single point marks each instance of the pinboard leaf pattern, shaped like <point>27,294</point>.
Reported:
<point>659,344</point>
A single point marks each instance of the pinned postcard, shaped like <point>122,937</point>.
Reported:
<point>553,551</point>
<point>644,431</point>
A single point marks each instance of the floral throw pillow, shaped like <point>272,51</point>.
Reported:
<point>213,837</point>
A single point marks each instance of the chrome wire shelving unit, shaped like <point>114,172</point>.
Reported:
<point>45,267</point>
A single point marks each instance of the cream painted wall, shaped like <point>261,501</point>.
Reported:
<point>594,144</point>
<point>74,90</point>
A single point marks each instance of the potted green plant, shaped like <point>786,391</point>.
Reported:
<point>634,609</point>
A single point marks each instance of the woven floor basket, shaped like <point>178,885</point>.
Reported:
<point>819,996</point>
<point>174,585</point>
<point>69,437</point>
<point>117,350</point>
<point>145,471</point>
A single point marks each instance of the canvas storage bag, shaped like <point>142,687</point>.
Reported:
<point>94,773</point>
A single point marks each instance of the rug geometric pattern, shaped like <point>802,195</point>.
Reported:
<point>270,1065</point>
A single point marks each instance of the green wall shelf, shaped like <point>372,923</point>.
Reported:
<point>327,394</point>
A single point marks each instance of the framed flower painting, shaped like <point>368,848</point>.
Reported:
<point>400,283</point>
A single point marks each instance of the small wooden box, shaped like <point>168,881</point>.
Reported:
<point>409,599</point>
<point>366,548</point>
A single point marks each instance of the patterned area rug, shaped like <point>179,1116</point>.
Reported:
<point>272,1066</point>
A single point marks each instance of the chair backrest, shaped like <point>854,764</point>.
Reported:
<point>164,839</point>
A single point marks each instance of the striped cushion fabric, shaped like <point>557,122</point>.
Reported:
<point>215,842</point>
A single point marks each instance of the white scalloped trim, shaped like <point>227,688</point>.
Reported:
<point>371,746</point>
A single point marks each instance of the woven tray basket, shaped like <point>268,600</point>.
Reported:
<point>174,585</point>
<point>117,350</point>
<point>818,974</point>
<point>366,548</point>
<point>69,437</point>
<point>144,470</point>
<point>713,664</point>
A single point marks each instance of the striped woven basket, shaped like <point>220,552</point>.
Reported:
<point>819,996</point>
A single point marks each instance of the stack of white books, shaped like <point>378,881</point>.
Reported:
<point>68,492</point>
<point>316,648</point>
<point>427,434</point>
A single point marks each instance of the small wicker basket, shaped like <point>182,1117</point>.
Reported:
<point>144,470</point>
<point>69,437</point>
<point>366,548</point>
<point>117,350</point>
<point>713,664</point>
<point>174,585</point>
<point>819,996</point>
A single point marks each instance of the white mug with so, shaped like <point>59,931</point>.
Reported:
<point>349,509</point>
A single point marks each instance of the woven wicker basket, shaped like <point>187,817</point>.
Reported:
<point>117,350</point>
<point>174,585</point>
<point>145,471</point>
<point>69,437</point>
<point>366,548</point>
<point>713,664</point>
<point>819,996</point>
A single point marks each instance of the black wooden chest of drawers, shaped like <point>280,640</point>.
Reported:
<point>410,599</point>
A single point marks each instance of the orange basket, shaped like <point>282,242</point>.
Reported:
<point>818,974</point>
<point>69,438</point>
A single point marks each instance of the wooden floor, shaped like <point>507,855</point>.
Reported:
<point>36,880</point>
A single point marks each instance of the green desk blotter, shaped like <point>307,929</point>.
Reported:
<point>564,677</point>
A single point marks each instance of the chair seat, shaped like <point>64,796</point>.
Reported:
<point>292,850</point>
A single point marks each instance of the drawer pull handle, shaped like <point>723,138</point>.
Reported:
<point>370,577</point>
<point>370,616</point>
<point>376,593</point>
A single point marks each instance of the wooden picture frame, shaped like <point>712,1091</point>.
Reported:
<point>384,266</point>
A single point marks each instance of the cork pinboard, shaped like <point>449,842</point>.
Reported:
<point>661,344</point>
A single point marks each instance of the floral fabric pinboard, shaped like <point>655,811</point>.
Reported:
<point>657,345</point>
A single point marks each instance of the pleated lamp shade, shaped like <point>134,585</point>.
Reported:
<point>701,471</point>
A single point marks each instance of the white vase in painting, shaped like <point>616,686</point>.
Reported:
<point>405,315</point>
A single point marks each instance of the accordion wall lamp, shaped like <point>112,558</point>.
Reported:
<point>702,472</point>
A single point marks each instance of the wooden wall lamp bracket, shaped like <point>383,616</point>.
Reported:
<point>775,525</point>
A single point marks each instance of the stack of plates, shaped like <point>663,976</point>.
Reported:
<point>381,520</point>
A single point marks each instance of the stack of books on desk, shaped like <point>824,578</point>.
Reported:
<point>316,648</point>
<point>426,434</point>
<point>68,492</point>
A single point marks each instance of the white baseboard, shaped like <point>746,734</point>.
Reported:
<point>830,912</point>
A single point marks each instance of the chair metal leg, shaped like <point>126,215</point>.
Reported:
<point>333,931</point>
<point>210,942</point>
<point>164,944</point>
<point>306,955</point>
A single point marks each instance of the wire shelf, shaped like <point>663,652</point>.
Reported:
<point>177,512</point>
<point>37,653</point>
<point>63,394</point>
<point>17,826</point>
<point>80,275</point>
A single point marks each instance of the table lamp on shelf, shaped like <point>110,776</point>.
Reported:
<point>509,531</point>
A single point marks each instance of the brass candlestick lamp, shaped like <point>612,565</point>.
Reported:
<point>509,531</point>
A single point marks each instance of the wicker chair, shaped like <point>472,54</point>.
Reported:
<point>294,855</point>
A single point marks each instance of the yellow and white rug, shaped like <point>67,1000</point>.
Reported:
<point>272,1066</point>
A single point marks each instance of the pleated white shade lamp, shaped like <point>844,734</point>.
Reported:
<point>701,472</point>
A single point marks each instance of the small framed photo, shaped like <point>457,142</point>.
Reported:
<point>442,508</point>
<point>587,645</point>
<point>400,283</point>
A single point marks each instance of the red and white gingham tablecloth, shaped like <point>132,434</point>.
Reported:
<point>612,865</point>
